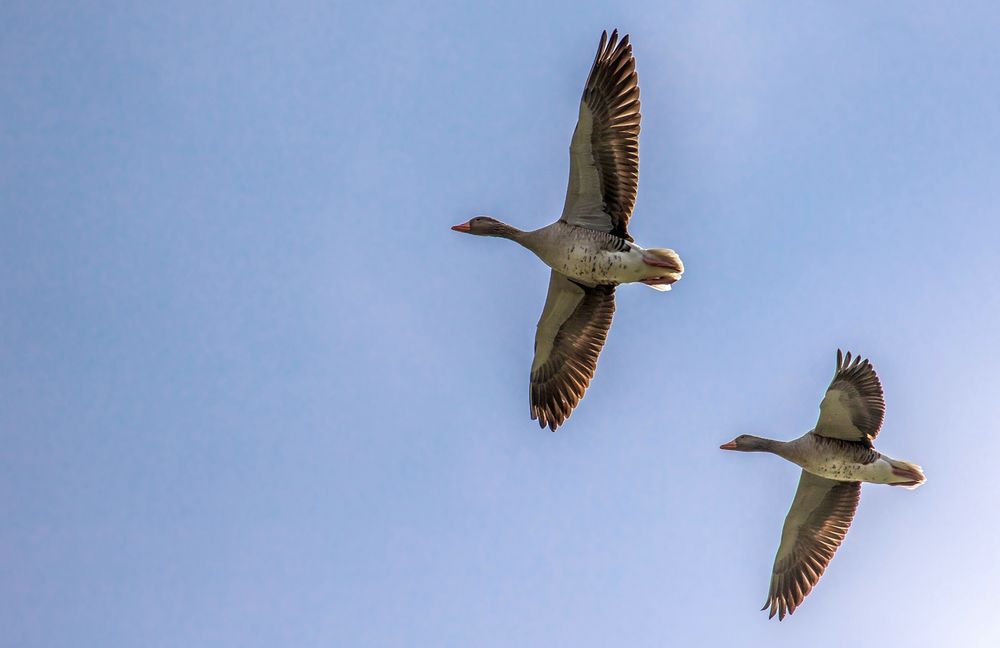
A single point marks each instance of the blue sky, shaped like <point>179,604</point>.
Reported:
<point>255,392</point>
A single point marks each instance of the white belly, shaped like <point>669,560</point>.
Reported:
<point>589,266</point>
<point>877,472</point>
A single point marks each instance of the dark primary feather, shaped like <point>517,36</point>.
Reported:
<point>558,385</point>
<point>612,95</point>
<point>816,524</point>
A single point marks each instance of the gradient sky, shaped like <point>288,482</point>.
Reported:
<point>254,392</point>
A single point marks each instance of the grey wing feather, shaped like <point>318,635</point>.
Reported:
<point>604,153</point>
<point>571,333</point>
<point>816,524</point>
<point>854,405</point>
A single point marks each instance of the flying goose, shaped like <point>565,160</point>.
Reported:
<point>589,248</point>
<point>835,458</point>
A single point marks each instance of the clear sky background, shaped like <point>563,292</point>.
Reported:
<point>254,392</point>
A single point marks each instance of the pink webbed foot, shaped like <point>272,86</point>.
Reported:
<point>658,263</point>
<point>659,281</point>
<point>663,258</point>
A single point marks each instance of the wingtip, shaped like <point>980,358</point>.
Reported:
<point>847,360</point>
<point>779,607</point>
<point>543,420</point>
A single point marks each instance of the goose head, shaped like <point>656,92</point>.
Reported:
<point>748,443</point>
<point>484,226</point>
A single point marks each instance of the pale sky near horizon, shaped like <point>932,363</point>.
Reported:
<point>254,392</point>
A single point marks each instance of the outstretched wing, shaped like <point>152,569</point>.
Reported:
<point>854,406</point>
<point>604,153</point>
<point>570,336</point>
<point>816,524</point>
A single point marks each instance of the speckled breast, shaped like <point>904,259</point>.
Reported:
<point>589,265</point>
<point>839,470</point>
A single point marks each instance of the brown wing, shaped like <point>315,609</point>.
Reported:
<point>570,336</point>
<point>816,524</point>
<point>854,406</point>
<point>604,153</point>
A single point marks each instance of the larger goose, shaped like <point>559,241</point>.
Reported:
<point>589,248</point>
<point>836,456</point>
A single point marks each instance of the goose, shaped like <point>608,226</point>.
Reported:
<point>589,248</point>
<point>836,457</point>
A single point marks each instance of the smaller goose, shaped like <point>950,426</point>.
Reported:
<point>589,248</point>
<point>835,458</point>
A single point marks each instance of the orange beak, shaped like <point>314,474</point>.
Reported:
<point>463,227</point>
<point>728,446</point>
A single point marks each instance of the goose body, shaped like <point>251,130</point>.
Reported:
<point>589,248</point>
<point>839,460</point>
<point>836,457</point>
<point>595,258</point>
